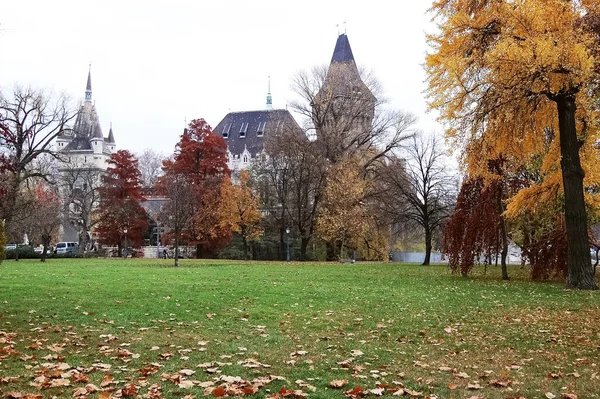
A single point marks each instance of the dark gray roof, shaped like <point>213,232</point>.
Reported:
<point>342,51</point>
<point>88,87</point>
<point>111,136</point>
<point>243,129</point>
<point>78,143</point>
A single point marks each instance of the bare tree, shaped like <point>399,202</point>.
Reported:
<point>29,122</point>
<point>177,213</point>
<point>78,185</point>
<point>344,112</point>
<point>150,164</point>
<point>295,172</point>
<point>344,109</point>
<point>44,217</point>
<point>422,186</point>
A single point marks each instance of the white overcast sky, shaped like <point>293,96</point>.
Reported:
<point>156,63</point>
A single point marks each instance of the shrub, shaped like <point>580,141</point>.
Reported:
<point>25,252</point>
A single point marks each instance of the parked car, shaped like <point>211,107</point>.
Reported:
<point>40,249</point>
<point>9,247</point>
<point>66,248</point>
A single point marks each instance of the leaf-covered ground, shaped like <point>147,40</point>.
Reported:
<point>141,328</point>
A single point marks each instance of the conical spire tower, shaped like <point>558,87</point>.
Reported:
<point>88,87</point>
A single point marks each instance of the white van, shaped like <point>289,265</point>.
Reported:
<point>66,248</point>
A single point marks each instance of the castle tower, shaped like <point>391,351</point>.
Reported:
<point>344,107</point>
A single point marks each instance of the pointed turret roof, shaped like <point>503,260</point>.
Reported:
<point>88,87</point>
<point>342,51</point>
<point>111,136</point>
<point>98,134</point>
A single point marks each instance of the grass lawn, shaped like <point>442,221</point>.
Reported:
<point>142,328</point>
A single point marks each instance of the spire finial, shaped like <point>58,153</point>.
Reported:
<point>88,86</point>
<point>345,28</point>
<point>338,28</point>
<point>269,98</point>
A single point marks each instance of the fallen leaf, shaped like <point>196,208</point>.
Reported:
<point>338,383</point>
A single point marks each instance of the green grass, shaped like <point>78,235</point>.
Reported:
<point>407,320</point>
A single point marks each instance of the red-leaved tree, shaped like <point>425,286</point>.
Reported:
<point>474,228</point>
<point>122,221</point>
<point>201,160</point>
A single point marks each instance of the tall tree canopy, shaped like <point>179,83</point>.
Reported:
<point>30,120</point>
<point>201,160</point>
<point>423,187</point>
<point>122,220</point>
<point>501,74</point>
<point>243,208</point>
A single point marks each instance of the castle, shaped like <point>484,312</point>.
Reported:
<point>85,144</point>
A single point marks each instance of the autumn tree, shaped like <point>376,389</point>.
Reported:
<point>422,186</point>
<point>30,120</point>
<point>294,172</point>
<point>44,218</point>
<point>79,187</point>
<point>473,231</point>
<point>344,111</point>
<point>503,72</point>
<point>177,213</point>
<point>343,216</point>
<point>201,156</point>
<point>121,218</point>
<point>243,204</point>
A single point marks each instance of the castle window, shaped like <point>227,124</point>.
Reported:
<point>243,130</point>
<point>245,158</point>
<point>226,130</point>
<point>260,131</point>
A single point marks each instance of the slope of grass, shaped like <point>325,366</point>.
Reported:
<point>374,325</point>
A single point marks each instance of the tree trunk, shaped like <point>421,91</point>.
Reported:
<point>504,253</point>
<point>282,249</point>
<point>176,249</point>
<point>245,242</point>
<point>428,246</point>
<point>330,251</point>
<point>304,248</point>
<point>503,233</point>
<point>579,261</point>
<point>46,242</point>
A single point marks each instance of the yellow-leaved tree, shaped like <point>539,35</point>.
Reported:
<point>244,210</point>
<point>342,219</point>
<point>503,75</point>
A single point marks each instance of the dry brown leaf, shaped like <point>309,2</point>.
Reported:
<point>338,383</point>
<point>187,384</point>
